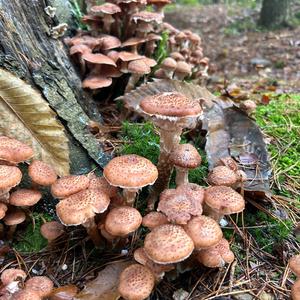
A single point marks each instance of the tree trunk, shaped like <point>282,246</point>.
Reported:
<point>274,13</point>
<point>29,50</point>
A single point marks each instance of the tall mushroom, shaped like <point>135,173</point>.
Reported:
<point>12,219</point>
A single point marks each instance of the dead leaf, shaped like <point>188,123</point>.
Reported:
<point>104,287</point>
<point>26,116</point>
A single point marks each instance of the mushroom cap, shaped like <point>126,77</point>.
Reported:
<point>154,219</point>
<point>296,290</point>
<point>13,150</point>
<point>138,66</point>
<point>178,207</point>
<point>94,82</point>
<point>128,56</point>
<point>25,197</point>
<point>216,256</point>
<point>183,68</point>
<point>98,58</point>
<point>14,218</point>
<point>42,285</point>
<point>65,292</point>
<point>79,207</point>
<point>177,56</point>
<point>3,210</point>
<point>121,221</point>
<point>130,171</point>
<point>204,231</point>
<point>229,162</point>
<point>153,37</point>
<point>185,156</point>
<point>169,64</point>
<point>294,264</point>
<point>42,173</point>
<point>108,42</point>
<point>106,8</point>
<point>102,184</point>
<point>136,282</point>
<point>147,16</point>
<point>79,49</point>
<point>248,105</point>
<point>10,176</point>
<point>167,244</point>
<point>192,190</point>
<point>194,38</point>
<point>26,295</point>
<point>52,230</point>
<point>222,175</point>
<point>224,200</point>
<point>10,275</point>
<point>133,41</point>
<point>171,104</point>
<point>68,185</point>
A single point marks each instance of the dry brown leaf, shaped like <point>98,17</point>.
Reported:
<point>26,116</point>
<point>104,286</point>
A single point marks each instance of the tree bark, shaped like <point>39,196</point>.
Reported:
<point>29,50</point>
<point>274,13</point>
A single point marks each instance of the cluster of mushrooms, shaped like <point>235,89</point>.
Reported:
<point>121,40</point>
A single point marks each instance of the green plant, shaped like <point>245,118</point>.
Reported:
<point>161,51</point>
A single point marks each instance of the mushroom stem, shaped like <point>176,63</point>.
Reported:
<point>134,78</point>
<point>129,195</point>
<point>212,213</point>
<point>92,231</point>
<point>11,231</point>
<point>182,176</point>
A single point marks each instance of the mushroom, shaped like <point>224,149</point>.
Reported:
<point>10,176</point>
<point>136,282</point>
<point>177,56</point>
<point>248,106</point>
<point>295,293</point>
<point>222,200</point>
<point>168,244</point>
<point>76,52</point>
<point>102,184</point>
<point>160,73</point>
<point>108,42</point>
<point>228,162</point>
<point>95,82</point>
<point>65,292</point>
<point>52,230</point>
<point>184,157</point>
<point>4,195</point>
<point>159,5</point>
<point>216,256</point>
<point>11,278</point>
<point>12,219</point>
<point>204,231</point>
<point>133,42</point>
<point>151,44</point>
<point>222,175</point>
<point>154,219</point>
<point>42,173</point>
<point>25,197</point>
<point>192,190</point>
<point>81,208</point>
<point>182,70</point>
<point>3,210</point>
<point>294,264</point>
<point>169,65</point>
<point>26,295</point>
<point>131,173</point>
<point>41,285</point>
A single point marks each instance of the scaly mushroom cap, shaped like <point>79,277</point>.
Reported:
<point>68,185</point>
<point>94,82</point>
<point>168,244</point>
<point>3,210</point>
<point>122,220</point>
<point>171,104</point>
<point>25,197</point>
<point>13,150</point>
<point>136,282</point>
<point>294,264</point>
<point>185,156</point>
<point>98,58</point>
<point>10,275</point>
<point>10,176</point>
<point>147,16</point>
<point>26,295</point>
<point>106,8</point>
<point>79,207</point>
<point>41,173</point>
<point>130,171</point>
<point>42,285</point>
<point>216,256</point>
<point>222,175</point>
<point>178,207</point>
<point>296,290</point>
<point>154,219</point>
<point>14,218</point>
<point>192,190</point>
<point>101,183</point>
<point>52,230</point>
<point>224,200</point>
<point>204,231</point>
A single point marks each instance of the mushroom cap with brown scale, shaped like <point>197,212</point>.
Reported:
<point>52,230</point>
<point>25,197</point>
<point>68,185</point>
<point>10,176</point>
<point>26,295</point>
<point>130,171</point>
<point>216,256</point>
<point>192,190</point>
<point>3,210</point>
<point>185,156</point>
<point>121,221</point>
<point>136,282</point>
<point>14,218</point>
<point>10,275</point>
<point>79,207</point>
<point>296,290</point>
<point>294,264</point>
<point>204,231</point>
<point>42,285</point>
<point>102,184</point>
<point>224,200</point>
<point>168,244</point>
<point>42,173</point>
<point>222,175</point>
<point>154,219</point>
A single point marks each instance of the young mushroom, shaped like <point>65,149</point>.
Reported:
<point>25,197</point>
<point>10,176</point>
<point>184,157</point>
<point>182,70</point>
<point>51,231</point>
<point>41,285</point>
<point>12,219</point>
<point>222,175</point>
<point>41,173</point>
<point>154,219</point>
<point>169,65</point>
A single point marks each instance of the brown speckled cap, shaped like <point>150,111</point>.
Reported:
<point>41,173</point>
<point>27,295</point>
<point>185,156</point>
<point>294,264</point>
<point>10,176</point>
<point>204,231</point>
<point>14,218</point>
<point>296,290</point>
<point>10,275</point>
<point>122,220</point>
<point>192,190</point>
<point>3,210</point>
<point>171,104</point>
<point>80,207</point>
<point>42,285</point>
<point>102,184</point>
<point>25,197</point>
<point>130,171</point>
<point>136,282</point>
<point>167,244</point>
<point>224,200</point>
<point>52,230</point>
<point>154,219</point>
<point>222,175</point>
<point>68,185</point>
